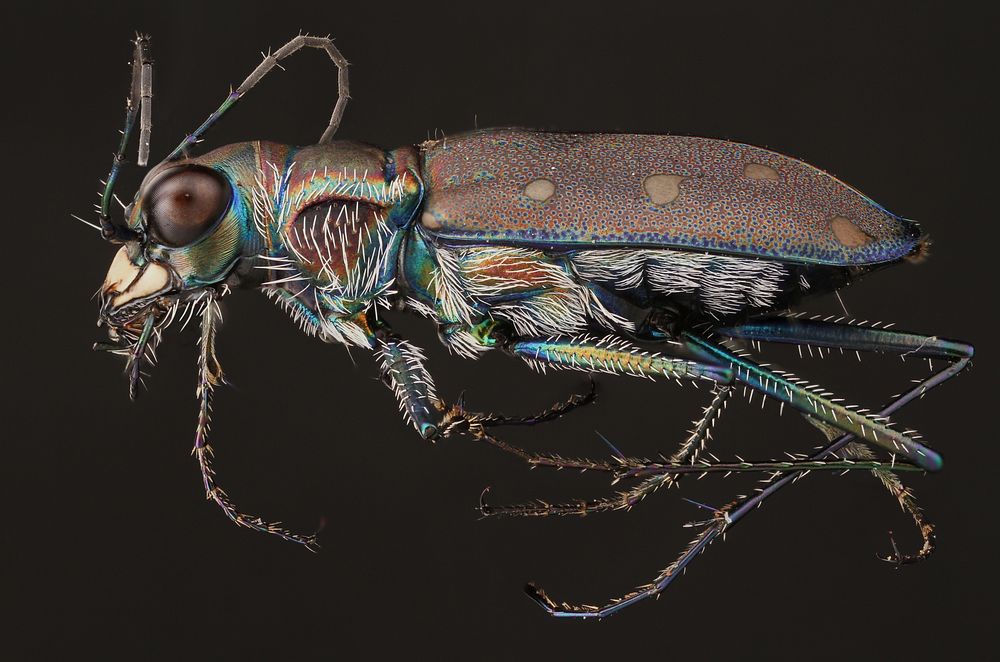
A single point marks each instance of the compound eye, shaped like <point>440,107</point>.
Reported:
<point>184,203</point>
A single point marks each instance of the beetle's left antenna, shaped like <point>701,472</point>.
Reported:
<point>139,104</point>
<point>270,62</point>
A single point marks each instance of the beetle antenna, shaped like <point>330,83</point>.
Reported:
<point>137,105</point>
<point>145,64</point>
<point>270,62</point>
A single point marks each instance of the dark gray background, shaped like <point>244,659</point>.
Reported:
<point>108,545</point>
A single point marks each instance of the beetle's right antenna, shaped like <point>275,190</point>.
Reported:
<point>264,68</point>
<point>138,104</point>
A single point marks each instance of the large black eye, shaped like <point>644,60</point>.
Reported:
<point>183,203</point>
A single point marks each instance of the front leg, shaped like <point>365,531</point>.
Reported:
<point>402,366</point>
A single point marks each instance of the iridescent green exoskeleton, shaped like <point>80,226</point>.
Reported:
<point>655,256</point>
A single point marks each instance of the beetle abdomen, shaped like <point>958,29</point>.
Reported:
<point>563,191</point>
<point>718,285</point>
<point>544,293</point>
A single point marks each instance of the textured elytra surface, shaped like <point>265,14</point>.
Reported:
<point>731,198</point>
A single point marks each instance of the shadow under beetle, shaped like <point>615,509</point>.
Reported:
<point>569,251</point>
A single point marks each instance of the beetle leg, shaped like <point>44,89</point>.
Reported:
<point>907,502</point>
<point>209,376</point>
<point>556,411</point>
<point>815,403</point>
<point>836,335</point>
<point>624,467</point>
<point>402,365</point>
<point>403,370</point>
<point>657,474</point>
<point>689,451</point>
<point>727,517</point>
<point>613,355</point>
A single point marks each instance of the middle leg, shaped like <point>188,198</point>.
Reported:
<point>403,370</point>
<point>613,355</point>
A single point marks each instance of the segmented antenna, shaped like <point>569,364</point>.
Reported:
<point>142,67</point>
<point>270,62</point>
<point>138,104</point>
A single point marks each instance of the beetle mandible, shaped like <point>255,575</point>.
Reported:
<point>567,250</point>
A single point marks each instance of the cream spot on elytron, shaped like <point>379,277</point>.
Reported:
<point>430,221</point>
<point>760,171</point>
<point>848,233</point>
<point>662,189</point>
<point>540,190</point>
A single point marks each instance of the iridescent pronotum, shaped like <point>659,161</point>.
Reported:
<point>654,256</point>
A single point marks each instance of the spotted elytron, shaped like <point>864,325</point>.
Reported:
<point>568,251</point>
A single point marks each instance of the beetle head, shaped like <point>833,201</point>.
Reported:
<point>185,231</point>
<point>189,226</point>
<point>182,240</point>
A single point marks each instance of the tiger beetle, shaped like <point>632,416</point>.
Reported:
<point>647,255</point>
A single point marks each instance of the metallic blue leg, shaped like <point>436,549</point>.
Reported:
<point>727,517</point>
<point>822,333</point>
<point>815,403</point>
<point>616,356</point>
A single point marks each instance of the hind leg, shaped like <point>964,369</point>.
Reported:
<point>729,516</point>
<point>838,448</point>
<point>838,335</point>
<point>878,337</point>
<point>819,409</point>
<point>814,402</point>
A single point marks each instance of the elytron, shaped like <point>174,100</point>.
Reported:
<point>665,257</point>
